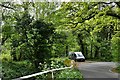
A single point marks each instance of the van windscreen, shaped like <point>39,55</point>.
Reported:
<point>79,55</point>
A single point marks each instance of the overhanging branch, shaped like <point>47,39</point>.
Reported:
<point>6,6</point>
<point>84,19</point>
<point>113,14</point>
<point>118,4</point>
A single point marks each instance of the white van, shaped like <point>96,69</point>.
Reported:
<point>77,56</point>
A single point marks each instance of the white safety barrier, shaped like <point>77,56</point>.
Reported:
<point>39,73</point>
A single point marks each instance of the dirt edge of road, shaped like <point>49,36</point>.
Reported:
<point>114,70</point>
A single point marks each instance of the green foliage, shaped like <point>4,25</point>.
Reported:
<point>5,53</point>
<point>11,70</point>
<point>5,57</point>
<point>54,63</point>
<point>28,39</point>
<point>1,69</point>
<point>69,74</point>
<point>118,69</point>
<point>41,30</point>
<point>116,48</point>
<point>93,27</point>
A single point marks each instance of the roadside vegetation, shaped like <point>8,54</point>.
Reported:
<point>69,74</point>
<point>12,70</point>
<point>37,36</point>
<point>118,69</point>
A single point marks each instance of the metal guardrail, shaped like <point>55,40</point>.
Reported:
<point>40,73</point>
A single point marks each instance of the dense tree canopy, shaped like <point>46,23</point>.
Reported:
<point>36,31</point>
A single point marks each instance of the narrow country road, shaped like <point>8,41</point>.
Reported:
<point>98,70</point>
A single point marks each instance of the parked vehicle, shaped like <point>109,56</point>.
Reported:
<point>77,56</point>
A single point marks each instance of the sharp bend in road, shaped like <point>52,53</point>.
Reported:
<point>98,71</point>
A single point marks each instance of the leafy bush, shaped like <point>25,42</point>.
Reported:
<point>5,57</point>
<point>11,70</point>
<point>61,59</point>
<point>118,69</point>
<point>70,74</point>
<point>116,48</point>
<point>0,69</point>
<point>54,63</point>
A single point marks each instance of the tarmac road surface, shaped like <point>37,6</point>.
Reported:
<point>98,70</point>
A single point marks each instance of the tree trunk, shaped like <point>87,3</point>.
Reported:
<point>96,55</point>
<point>91,51</point>
<point>82,48</point>
<point>80,42</point>
<point>14,57</point>
<point>19,59</point>
<point>86,52</point>
<point>66,50</point>
<point>36,64</point>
